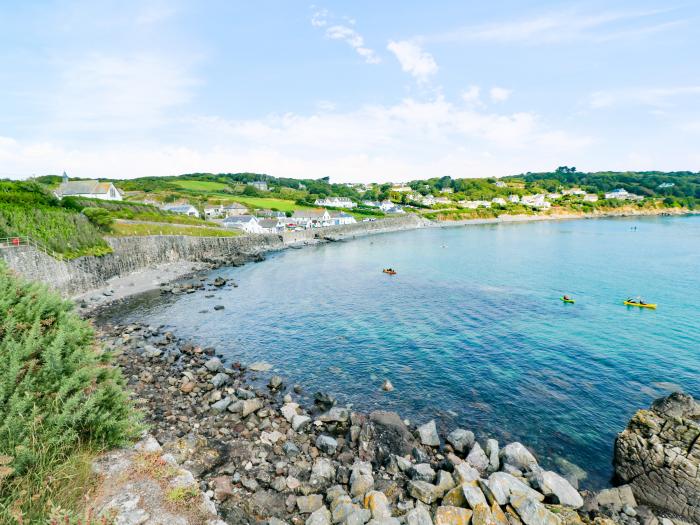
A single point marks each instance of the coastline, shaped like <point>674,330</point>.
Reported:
<point>147,279</point>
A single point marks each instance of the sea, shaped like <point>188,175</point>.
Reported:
<point>471,330</point>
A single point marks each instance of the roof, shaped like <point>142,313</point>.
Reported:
<point>179,207</point>
<point>240,218</point>
<point>311,214</point>
<point>268,223</point>
<point>83,187</point>
<point>340,214</point>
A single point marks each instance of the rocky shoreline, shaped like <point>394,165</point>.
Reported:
<point>263,456</point>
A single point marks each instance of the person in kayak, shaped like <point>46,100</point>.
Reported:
<point>567,298</point>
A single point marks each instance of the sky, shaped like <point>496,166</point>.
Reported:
<point>357,91</point>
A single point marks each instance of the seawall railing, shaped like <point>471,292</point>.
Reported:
<point>8,243</point>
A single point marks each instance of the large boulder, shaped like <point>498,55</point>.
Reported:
<point>658,455</point>
<point>384,434</point>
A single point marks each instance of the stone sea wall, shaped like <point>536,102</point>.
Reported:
<point>131,254</point>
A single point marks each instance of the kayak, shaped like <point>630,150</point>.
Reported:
<point>390,272</point>
<point>567,300</point>
<point>645,305</point>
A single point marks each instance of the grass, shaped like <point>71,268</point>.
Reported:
<point>201,185</point>
<point>142,229</point>
<point>270,203</point>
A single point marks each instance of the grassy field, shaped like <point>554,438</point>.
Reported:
<point>269,203</point>
<point>139,229</point>
<point>201,185</point>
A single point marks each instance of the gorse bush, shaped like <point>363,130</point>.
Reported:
<point>60,399</point>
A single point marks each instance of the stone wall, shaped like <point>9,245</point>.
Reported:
<point>133,253</point>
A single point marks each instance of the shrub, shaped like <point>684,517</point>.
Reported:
<point>60,398</point>
<point>99,217</point>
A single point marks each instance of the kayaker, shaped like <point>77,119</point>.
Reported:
<point>567,298</point>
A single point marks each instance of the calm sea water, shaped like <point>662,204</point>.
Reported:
<point>471,330</point>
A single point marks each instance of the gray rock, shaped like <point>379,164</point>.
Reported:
<point>387,386</point>
<point>428,434</point>
<point>323,470</point>
<point>221,405</point>
<point>461,440</point>
<point>290,449</point>
<point>361,479</point>
<point>532,512</point>
<point>658,455</point>
<point>518,456</point>
<point>477,458</point>
<point>275,382</point>
<point>418,516</point>
<point>335,415</point>
<point>557,489</point>
<point>492,451</point>
<point>320,516</point>
<point>424,491</point>
<point>251,405</point>
<point>473,495</point>
<point>309,504</point>
<point>300,422</point>
<point>616,498</point>
<point>214,365</point>
<point>501,486</point>
<point>220,380</point>
<point>464,473</point>
<point>422,472</point>
<point>326,444</point>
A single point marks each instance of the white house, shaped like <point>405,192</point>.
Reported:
<point>386,205</point>
<point>472,205</point>
<point>623,195</point>
<point>447,190</point>
<point>574,191</point>
<point>401,188</point>
<point>335,202</point>
<point>246,223</point>
<point>554,196</point>
<point>92,189</point>
<point>590,197</point>
<point>234,209</point>
<point>514,199</point>
<point>499,200</point>
<point>536,201</point>
<point>393,210</point>
<point>271,225</point>
<point>212,212</point>
<point>183,209</point>
<point>311,218</point>
<point>372,204</point>
<point>340,218</point>
<point>428,200</point>
<point>500,184</point>
<point>259,185</point>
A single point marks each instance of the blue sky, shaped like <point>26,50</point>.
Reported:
<point>358,91</point>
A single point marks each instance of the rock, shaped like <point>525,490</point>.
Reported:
<point>492,452</point>
<point>326,444</point>
<point>473,495</point>
<point>214,365</point>
<point>477,458</point>
<point>461,440</point>
<point>444,481</point>
<point>378,504</point>
<point>300,422</point>
<point>323,470</point>
<point>218,307</point>
<point>464,473</point>
<point>501,487</point>
<point>251,405</point>
<point>309,504</point>
<point>616,498</point>
<point>557,489</point>
<point>320,516</point>
<point>428,434</point>
<point>335,415</point>
<point>324,401</point>
<point>532,512</point>
<point>423,491</point>
<point>418,516</point>
<point>447,515</point>
<point>517,455</point>
<point>223,489</point>
<point>221,405</point>
<point>146,377</point>
<point>149,445</point>
<point>290,449</point>
<point>289,410</point>
<point>387,386</point>
<point>422,472</point>
<point>482,515</point>
<point>275,382</point>
<point>658,455</point>
<point>454,497</point>
<point>187,387</point>
<point>384,434</point>
<point>260,366</point>
<point>361,479</point>
<point>220,380</point>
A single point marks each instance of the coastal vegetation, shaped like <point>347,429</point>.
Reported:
<point>61,402</point>
<point>151,228</point>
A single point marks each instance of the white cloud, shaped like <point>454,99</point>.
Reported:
<point>410,139</point>
<point>653,97</point>
<point>499,94</point>
<point>413,59</point>
<point>564,25</point>
<point>472,95</point>
<point>320,18</point>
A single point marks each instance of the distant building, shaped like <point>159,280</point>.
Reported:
<point>311,218</point>
<point>554,196</point>
<point>393,210</point>
<point>514,199</point>
<point>183,209</point>
<point>472,205</point>
<point>590,197</point>
<point>447,190</point>
<point>372,204</point>
<point>234,209</point>
<point>271,214</point>
<point>665,185</point>
<point>499,200</point>
<point>501,184</point>
<point>340,218</point>
<point>259,185</point>
<point>401,188</point>
<point>246,223</point>
<point>335,202</point>
<point>212,212</point>
<point>623,195</point>
<point>428,200</point>
<point>386,205</point>
<point>271,225</point>
<point>91,189</point>
<point>536,201</point>
<point>573,191</point>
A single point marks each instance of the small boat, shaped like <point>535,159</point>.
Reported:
<point>389,271</point>
<point>640,304</point>
<point>564,299</point>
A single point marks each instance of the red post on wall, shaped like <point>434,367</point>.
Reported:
<point>15,241</point>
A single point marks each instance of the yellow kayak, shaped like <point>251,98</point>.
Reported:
<point>641,305</point>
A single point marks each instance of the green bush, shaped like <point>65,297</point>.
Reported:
<point>59,397</point>
<point>99,217</point>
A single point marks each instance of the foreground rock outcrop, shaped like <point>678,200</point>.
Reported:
<point>658,455</point>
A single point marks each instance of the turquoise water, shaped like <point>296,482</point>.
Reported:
<point>471,329</point>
